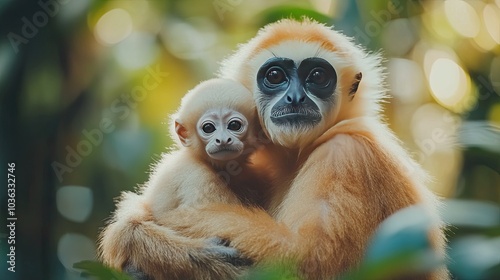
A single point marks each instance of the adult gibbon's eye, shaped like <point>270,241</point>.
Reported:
<point>318,77</point>
<point>275,76</point>
<point>234,125</point>
<point>208,128</point>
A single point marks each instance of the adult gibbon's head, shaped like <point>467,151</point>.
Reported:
<point>305,78</point>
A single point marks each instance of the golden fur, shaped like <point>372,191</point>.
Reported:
<point>184,178</point>
<point>335,183</point>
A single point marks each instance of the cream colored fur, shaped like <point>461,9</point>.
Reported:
<point>335,183</point>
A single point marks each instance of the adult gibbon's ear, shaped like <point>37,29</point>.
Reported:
<point>182,133</point>
<point>355,85</point>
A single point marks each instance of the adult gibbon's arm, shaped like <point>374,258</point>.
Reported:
<point>134,242</point>
<point>346,187</point>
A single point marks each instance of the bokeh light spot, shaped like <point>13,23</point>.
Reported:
<point>137,51</point>
<point>462,17</point>
<point>113,27</point>
<point>406,80</point>
<point>73,248</point>
<point>323,6</point>
<point>189,40</point>
<point>402,30</point>
<point>449,83</point>
<point>434,123</point>
<point>74,203</point>
<point>445,78</point>
<point>491,15</point>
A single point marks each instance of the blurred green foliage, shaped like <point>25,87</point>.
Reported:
<point>65,97</point>
<point>277,13</point>
<point>98,270</point>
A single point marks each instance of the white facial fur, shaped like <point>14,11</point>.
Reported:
<point>297,51</point>
<point>346,58</point>
<point>223,131</point>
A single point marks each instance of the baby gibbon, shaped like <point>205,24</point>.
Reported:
<point>217,128</point>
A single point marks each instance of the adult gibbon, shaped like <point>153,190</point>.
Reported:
<point>338,170</point>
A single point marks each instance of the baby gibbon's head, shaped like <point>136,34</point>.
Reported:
<point>217,119</point>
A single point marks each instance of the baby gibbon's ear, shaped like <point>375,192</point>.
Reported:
<point>182,133</point>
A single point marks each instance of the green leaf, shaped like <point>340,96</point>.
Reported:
<point>398,265</point>
<point>400,247</point>
<point>405,230</point>
<point>283,270</point>
<point>100,271</point>
<point>475,257</point>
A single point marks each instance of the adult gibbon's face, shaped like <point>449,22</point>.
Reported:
<point>295,96</point>
<point>303,76</point>
<point>294,92</point>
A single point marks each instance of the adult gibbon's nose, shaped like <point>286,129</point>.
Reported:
<point>295,97</point>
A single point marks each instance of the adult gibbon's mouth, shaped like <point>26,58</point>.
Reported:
<point>295,116</point>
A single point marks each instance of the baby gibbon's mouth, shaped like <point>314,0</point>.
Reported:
<point>224,153</point>
<point>224,150</point>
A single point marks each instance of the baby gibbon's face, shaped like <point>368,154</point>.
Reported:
<point>223,131</point>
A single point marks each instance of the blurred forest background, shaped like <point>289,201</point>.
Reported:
<point>86,87</point>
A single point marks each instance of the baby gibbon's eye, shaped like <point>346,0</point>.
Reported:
<point>234,125</point>
<point>208,128</point>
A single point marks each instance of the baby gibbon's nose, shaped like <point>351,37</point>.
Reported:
<point>223,142</point>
